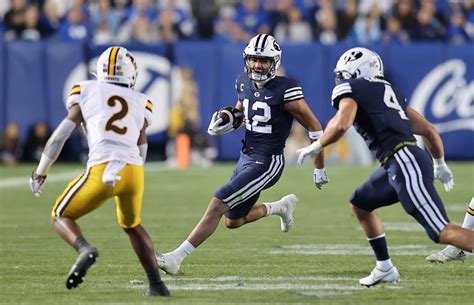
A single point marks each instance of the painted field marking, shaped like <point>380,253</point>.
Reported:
<point>347,249</point>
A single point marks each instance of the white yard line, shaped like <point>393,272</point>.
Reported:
<point>347,249</point>
<point>14,182</point>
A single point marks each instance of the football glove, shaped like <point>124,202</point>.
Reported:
<point>320,177</point>
<point>214,129</point>
<point>310,150</point>
<point>443,174</point>
<point>36,183</point>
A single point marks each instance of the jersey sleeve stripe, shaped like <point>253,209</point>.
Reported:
<point>298,97</point>
<point>341,89</point>
<point>292,94</point>
<point>112,60</point>
<point>149,106</point>
<point>75,90</point>
<point>293,89</point>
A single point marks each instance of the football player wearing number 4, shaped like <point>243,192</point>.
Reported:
<point>114,117</point>
<point>363,98</point>
<point>269,103</point>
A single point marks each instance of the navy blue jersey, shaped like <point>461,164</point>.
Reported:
<point>267,123</point>
<point>380,118</point>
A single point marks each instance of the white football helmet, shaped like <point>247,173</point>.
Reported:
<point>262,45</point>
<point>358,62</point>
<point>117,65</point>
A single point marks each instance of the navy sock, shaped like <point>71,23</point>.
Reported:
<point>379,245</point>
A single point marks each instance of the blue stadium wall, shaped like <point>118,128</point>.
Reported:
<point>437,79</point>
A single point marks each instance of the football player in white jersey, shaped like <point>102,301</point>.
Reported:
<point>114,117</point>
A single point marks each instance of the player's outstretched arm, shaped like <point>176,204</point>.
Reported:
<point>432,139</point>
<point>53,148</point>
<point>335,129</point>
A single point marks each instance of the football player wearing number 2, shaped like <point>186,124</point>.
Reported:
<point>364,98</point>
<point>114,117</point>
<point>269,103</point>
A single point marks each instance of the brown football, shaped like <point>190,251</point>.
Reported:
<point>232,115</point>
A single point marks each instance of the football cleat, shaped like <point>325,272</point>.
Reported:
<point>167,262</point>
<point>78,271</point>
<point>450,253</point>
<point>378,276</point>
<point>159,289</point>
<point>287,207</point>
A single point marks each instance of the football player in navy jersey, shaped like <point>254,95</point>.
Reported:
<point>363,98</point>
<point>269,103</point>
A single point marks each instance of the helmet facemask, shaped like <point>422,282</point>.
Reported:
<point>265,74</point>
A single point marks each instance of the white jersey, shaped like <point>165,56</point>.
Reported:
<point>113,117</point>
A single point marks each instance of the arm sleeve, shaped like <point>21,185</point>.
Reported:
<point>74,96</point>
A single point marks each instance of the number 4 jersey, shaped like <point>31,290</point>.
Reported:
<point>380,117</point>
<point>267,123</point>
<point>113,117</point>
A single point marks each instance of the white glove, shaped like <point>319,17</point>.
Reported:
<point>320,177</point>
<point>310,150</point>
<point>111,173</point>
<point>443,174</point>
<point>36,183</point>
<point>214,129</point>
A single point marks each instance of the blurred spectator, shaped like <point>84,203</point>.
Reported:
<point>394,34</point>
<point>143,8</point>
<point>10,145</point>
<point>326,20</point>
<point>174,23</point>
<point>49,19</point>
<point>428,26</point>
<point>404,11</point>
<point>252,19</point>
<point>102,13</point>
<point>456,33</point>
<point>225,28</point>
<point>75,27</point>
<point>139,30</point>
<point>294,29</point>
<point>346,18</point>
<point>298,138</point>
<point>368,29</point>
<point>205,12</point>
<point>37,137</point>
<point>15,19</point>
<point>385,6</point>
<point>31,31</point>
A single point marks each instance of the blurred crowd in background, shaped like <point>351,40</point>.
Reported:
<point>165,21</point>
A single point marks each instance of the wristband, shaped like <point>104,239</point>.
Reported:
<point>314,135</point>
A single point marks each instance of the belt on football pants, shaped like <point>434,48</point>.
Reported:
<point>394,150</point>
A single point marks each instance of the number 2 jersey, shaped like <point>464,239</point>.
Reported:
<point>380,117</point>
<point>113,118</point>
<point>267,124</point>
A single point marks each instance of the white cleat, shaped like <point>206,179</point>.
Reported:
<point>167,262</point>
<point>288,205</point>
<point>450,253</point>
<point>378,276</point>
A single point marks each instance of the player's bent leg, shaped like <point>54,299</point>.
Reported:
<point>143,246</point>
<point>170,262</point>
<point>458,237</point>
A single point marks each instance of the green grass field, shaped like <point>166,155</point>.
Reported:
<point>318,262</point>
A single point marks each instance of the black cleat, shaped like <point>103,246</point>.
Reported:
<point>83,262</point>
<point>159,289</point>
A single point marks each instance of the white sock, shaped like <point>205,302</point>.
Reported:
<point>468,222</point>
<point>384,265</point>
<point>273,208</point>
<point>183,250</point>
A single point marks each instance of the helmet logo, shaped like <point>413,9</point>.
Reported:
<point>353,56</point>
<point>276,45</point>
